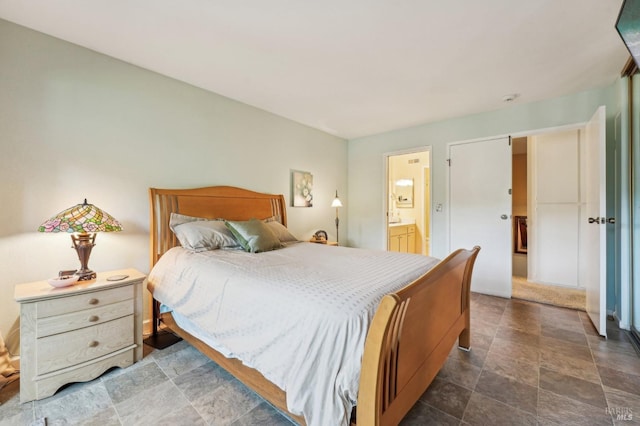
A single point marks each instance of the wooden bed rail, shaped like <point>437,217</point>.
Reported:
<point>410,338</point>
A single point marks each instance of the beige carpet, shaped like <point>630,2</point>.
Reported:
<point>548,294</point>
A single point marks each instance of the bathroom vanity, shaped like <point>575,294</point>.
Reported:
<point>402,237</point>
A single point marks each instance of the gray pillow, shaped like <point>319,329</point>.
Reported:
<point>178,219</point>
<point>254,235</point>
<point>200,234</point>
<point>281,231</point>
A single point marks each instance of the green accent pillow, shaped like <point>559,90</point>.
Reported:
<point>254,235</point>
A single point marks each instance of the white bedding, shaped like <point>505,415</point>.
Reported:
<point>299,315</point>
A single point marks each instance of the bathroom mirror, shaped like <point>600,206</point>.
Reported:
<point>403,191</point>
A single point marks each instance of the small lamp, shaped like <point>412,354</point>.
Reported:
<point>337,203</point>
<point>82,221</point>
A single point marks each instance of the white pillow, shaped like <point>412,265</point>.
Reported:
<point>199,234</point>
<point>178,219</point>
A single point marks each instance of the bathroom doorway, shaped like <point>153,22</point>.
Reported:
<point>408,201</point>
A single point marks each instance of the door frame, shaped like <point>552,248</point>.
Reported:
<point>424,204</point>
<point>385,191</point>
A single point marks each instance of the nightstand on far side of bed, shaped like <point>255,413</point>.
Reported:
<point>328,243</point>
<point>76,333</point>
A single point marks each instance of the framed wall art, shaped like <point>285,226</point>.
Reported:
<point>301,189</point>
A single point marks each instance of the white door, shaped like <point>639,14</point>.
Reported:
<point>556,206</point>
<point>594,243</point>
<point>480,210</point>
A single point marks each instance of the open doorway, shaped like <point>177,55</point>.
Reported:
<point>408,201</point>
<point>546,218</point>
<point>519,207</point>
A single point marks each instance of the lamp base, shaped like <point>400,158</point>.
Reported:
<point>85,275</point>
<point>83,243</point>
<point>162,339</point>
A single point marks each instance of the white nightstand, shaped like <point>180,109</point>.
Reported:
<point>76,333</point>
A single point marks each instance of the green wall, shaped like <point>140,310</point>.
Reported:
<point>77,124</point>
<point>366,180</point>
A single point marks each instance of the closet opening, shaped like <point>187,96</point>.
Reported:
<point>547,204</point>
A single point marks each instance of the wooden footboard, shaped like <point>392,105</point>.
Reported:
<point>412,332</point>
<point>410,338</point>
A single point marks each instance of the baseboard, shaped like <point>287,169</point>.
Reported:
<point>146,327</point>
<point>635,341</point>
<point>624,325</point>
<point>503,295</point>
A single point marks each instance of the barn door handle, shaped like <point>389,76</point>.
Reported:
<point>611,220</point>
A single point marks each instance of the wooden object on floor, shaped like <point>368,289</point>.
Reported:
<point>76,333</point>
<point>412,332</point>
<point>161,339</point>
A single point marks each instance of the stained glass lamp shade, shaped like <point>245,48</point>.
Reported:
<point>82,221</point>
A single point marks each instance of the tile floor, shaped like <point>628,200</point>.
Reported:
<point>529,364</point>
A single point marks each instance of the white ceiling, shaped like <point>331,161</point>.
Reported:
<point>352,67</point>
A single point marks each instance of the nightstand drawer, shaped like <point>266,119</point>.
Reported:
<point>51,307</point>
<point>68,349</point>
<point>80,319</point>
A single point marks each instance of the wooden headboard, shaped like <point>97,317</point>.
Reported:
<point>214,202</point>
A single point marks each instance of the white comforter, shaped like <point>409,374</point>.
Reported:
<point>299,315</point>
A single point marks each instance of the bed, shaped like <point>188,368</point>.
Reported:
<point>407,337</point>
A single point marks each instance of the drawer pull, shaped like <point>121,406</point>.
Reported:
<point>93,344</point>
<point>93,301</point>
<point>93,318</point>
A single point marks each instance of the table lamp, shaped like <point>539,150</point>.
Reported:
<point>82,221</point>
